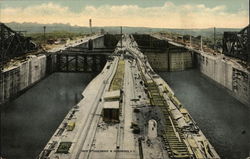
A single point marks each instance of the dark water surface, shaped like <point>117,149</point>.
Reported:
<point>29,121</point>
<point>223,119</point>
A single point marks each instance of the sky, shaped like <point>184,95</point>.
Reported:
<point>137,13</point>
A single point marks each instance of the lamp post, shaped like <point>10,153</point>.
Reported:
<point>121,36</point>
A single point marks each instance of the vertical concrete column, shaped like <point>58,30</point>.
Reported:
<point>1,87</point>
<point>67,62</point>
<point>102,61</point>
<point>49,64</point>
<point>90,44</point>
<point>76,63</point>
<point>58,62</point>
<point>248,44</point>
<point>85,63</point>
<point>93,67</point>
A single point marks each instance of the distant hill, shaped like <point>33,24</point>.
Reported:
<point>38,28</point>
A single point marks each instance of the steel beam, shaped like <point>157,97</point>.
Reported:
<point>13,44</point>
<point>236,44</point>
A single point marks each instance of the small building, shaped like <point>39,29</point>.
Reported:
<point>112,95</point>
<point>111,111</point>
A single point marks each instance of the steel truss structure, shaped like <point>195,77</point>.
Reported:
<point>13,44</point>
<point>236,44</point>
<point>81,62</point>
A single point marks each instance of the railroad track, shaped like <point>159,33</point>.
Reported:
<point>116,80</point>
<point>83,135</point>
<point>172,137</point>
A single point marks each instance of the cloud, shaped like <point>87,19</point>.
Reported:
<point>168,15</point>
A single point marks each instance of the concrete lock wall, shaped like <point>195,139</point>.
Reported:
<point>175,61</point>
<point>180,61</point>
<point>158,61</point>
<point>21,76</point>
<point>96,43</point>
<point>9,82</point>
<point>227,74</point>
